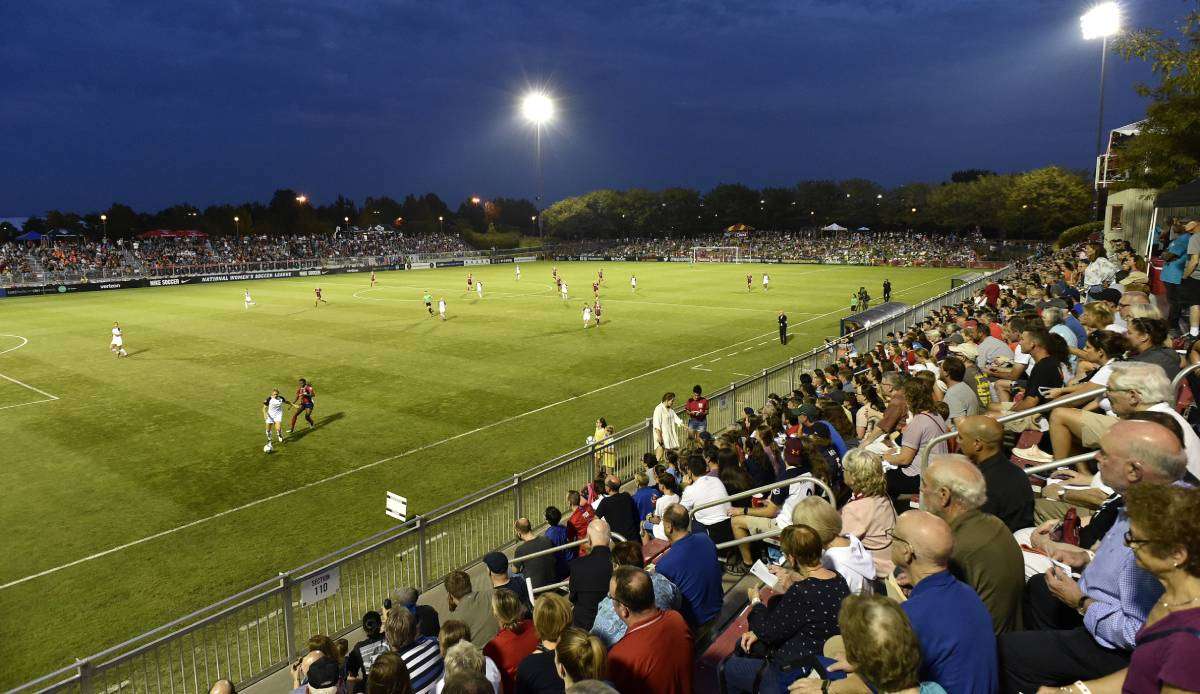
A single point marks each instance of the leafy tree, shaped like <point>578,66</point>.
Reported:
<point>1167,150</point>
<point>1043,202</point>
<point>731,203</point>
<point>818,202</point>
<point>970,175</point>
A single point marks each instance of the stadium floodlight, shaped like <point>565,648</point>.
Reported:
<point>537,108</point>
<point>302,199</point>
<point>1100,22</point>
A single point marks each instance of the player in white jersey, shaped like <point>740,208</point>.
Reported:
<point>117,346</point>
<point>587,315</point>
<point>246,300</point>
<point>442,308</point>
<point>273,414</point>
<point>766,281</point>
<point>479,288</point>
<point>633,283</point>
<point>563,288</point>
<point>518,270</point>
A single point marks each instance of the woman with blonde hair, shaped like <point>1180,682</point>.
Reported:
<point>869,515</point>
<point>843,553</point>
<point>515,640</point>
<point>580,656</point>
<point>537,673</point>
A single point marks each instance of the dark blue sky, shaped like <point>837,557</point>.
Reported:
<point>153,103</point>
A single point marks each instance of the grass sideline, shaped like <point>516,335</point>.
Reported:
<point>172,435</point>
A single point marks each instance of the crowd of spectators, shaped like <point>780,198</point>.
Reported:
<point>901,564</point>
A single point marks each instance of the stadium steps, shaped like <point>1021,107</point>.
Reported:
<point>132,261</point>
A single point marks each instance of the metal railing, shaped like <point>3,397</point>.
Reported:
<point>1183,374</point>
<point>247,637</point>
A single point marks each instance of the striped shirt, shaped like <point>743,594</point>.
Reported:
<point>424,663</point>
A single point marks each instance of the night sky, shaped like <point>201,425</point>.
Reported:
<point>205,101</point>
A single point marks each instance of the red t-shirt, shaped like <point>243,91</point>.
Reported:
<point>697,408</point>
<point>654,656</point>
<point>577,525</point>
<point>508,648</point>
<point>992,293</point>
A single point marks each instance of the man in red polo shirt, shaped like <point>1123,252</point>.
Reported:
<point>579,514</point>
<point>697,409</point>
<point>655,655</point>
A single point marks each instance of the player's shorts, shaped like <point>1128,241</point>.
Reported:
<point>428,305</point>
<point>274,418</point>
<point>118,342</point>
<point>305,405</point>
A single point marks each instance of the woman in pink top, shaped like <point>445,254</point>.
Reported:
<point>869,515</point>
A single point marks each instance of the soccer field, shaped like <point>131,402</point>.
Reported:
<point>136,490</point>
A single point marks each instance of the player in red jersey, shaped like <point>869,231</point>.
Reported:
<point>596,310</point>
<point>749,282</point>
<point>318,301</point>
<point>600,276</point>
<point>304,403</point>
<point>596,289</point>
<point>470,282</point>
<point>372,278</point>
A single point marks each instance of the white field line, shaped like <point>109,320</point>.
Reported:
<point>739,373</point>
<point>381,461</point>
<point>48,397</point>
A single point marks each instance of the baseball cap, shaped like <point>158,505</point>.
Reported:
<point>969,350</point>
<point>807,410</point>
<point>1109,294</point>
<point>748,410</point>
<point>323,674</point>
<point>496,562</point>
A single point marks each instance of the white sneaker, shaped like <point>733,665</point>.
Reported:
<point>1034,454</point>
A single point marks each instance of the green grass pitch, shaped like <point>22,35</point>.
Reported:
<point>99,454</point>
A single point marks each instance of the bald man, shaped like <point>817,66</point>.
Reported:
<point>588,584</point>
<point>1009,496</point>
<point>223,687</point>
<point>954,629</point>
<point>1086,628</point>
<point>985,556</point>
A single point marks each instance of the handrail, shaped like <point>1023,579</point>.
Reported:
<point>551,586</point>
<point>558,548</point>
<point>766,488</point>
<point>1036,409</point>
<point>1062,462</point>
<point>1183,373</point>
<point>766,535</point>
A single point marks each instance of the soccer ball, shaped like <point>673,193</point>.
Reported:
<point>267,448</point>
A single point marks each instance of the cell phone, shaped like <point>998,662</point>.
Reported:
<point>1043,390</point>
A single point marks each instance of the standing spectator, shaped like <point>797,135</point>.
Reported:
<point>388,675</point>
<point>1009,496</point>
<point>470,607</point>
<point>794,624</point>
<point>598,446</point>
<point>579,515</point>
<point>364,653</point>
<point>539,570</point>
<point>420,653</point>
<point>1175,260</point>
<point>536,674</point>
<point>1191,279</point>
<point>1086,629</point>
<point>655,654</point>
<point>579,656</point>
<point>557,534</point>
<point>619,510</point>
<point>515,640</point>
<point>497,566</point>
<point>608,625</point>
<point>666,426</point>
<point>692,565</point>
<point>697,409</point>
<point>589,575</point>
<point>985,556</point>
<point>958,647</point>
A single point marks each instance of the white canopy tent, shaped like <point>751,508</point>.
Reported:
<point>834,227</point>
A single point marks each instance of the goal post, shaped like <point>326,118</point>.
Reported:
<point>716,254</point>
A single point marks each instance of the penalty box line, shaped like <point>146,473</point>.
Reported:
<point>47,397</point>
<point>419,449</point>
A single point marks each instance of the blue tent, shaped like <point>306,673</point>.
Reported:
<point>30,236</point>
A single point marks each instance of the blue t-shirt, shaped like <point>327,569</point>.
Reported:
<point>957,653</point>
<point>1076,327</point>
<point>835,437</point>
<point>1172,272</point>
<point>644,499</point>
<point>692,565</point>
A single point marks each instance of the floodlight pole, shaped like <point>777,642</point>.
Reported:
<point>1096,212</point>
<point>540,182</point>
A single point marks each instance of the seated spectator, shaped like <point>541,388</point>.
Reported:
<point>619,510</point>
<point>644,496</point>
<point>537,674</point>
<point>454,631</point>
<point>880,647</point>
<point>1086,629</point>
<point>222,686</point>
<point>794,625</point>
<point>925,425</point>
<point>1009,496</point>
<point>589,575</point>
<point>896,411</point>
<point>668,490</point>
<point>364,653</point>
<point>579,516</point>
<point>557,534</point>
<point>467,683</point>
<point>655,654</point>
<point>388,675</point>
<point>958,646</point>
<point>420,653</point>
<point>1165,538</point>
<point>497,566</point>
<point>472,608</point>
<point>460,659</point>
<point>406,597</point>
<point>776,513</point>
<point>1049,355</point>
<point>515,640</point>
<point>1146,338</point>
<point>843,553</point>
<point>691,564</point>
<point>608,625</point>
<point>985,556</point>
<point>960,397</point>
<point>321,673</point>
<point>869,515</point>
<point>579,656</point>
<point>539,570</point>
<point>704,487</point>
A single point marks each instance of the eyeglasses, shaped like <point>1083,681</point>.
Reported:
<point>1131,541</point>
<point>891,532</point>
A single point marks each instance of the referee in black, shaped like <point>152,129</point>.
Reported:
<point>782,328</point>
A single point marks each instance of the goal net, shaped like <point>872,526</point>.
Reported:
<point>716,254</point>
